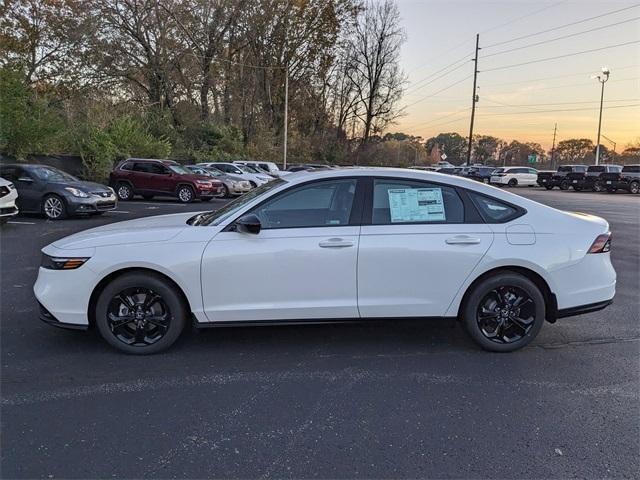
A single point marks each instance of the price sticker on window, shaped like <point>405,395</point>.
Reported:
<point>408,205</point>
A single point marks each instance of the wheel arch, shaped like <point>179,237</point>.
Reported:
<point>550,301</point>
<point>48,193</point>
<point>97,290</point>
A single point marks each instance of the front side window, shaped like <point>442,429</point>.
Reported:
<point>320,204</point>
<point>50,174</point>
<point>408,201</point>
<point>493,210</point>
<point>631,169</point>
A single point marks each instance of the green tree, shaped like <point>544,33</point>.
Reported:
<point>574,150</point>
<point>452,144</point>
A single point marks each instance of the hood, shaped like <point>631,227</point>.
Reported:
<point>143,230</point>
<point>234,178</point>
<point>82,185</point>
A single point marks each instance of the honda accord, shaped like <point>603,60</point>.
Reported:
<point>334,245</point>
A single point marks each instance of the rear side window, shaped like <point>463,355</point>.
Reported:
<point>493,210</point>
<point>407,201</point>
<point>631,169</point>
<point>144,167</point>
<point>596,168</point>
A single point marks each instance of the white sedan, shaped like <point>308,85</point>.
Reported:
<point>334,245</point>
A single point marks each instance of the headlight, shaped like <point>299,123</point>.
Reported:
<point>62,263</point>
<point>76,192</point>
<point>113,192</point>
<point>203,182</point>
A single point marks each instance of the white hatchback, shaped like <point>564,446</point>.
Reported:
<point>333,245</point>
<point>514,176</point>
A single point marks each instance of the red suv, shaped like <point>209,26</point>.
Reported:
<point>149,177</point>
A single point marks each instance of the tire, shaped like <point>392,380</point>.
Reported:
<point>548,187</point>
<point>634,187</point>
<point>498,330</point>
<point>512,183</point>
<point>53,207</point>
<point>577,189</point>
<point>597,186</point>
<point>253,184</point>
<point>140,333</point>
<point>564,185</point>
<point>185,194</point>
<point>611,190</point>
<point>124,191</point>
<point>225,192</point>
<point>147,197</point>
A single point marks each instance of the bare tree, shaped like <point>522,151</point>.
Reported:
<point>376,75</point>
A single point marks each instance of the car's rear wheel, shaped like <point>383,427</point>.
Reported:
<point>140,313</point>
<point>634,187</point>
<point>597,186</point>
<point>124,191</point>
<point>504,312</point>
<point>564,185</point>
<point>513,182</point>
<point>54,207</point>
<point>185,194</point>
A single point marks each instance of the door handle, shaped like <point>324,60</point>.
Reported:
<point>335,243</point>
<point>462,240</point>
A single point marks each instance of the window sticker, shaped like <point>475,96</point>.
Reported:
<point>416,205</point>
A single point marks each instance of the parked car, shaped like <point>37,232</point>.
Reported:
<point>232,185</point>
<point>8,195</point>
<point>480,174</point>
<point>380,243</point>
<point>590,180</point>
<point>545,177</point>
<point>150,177</point>
<point>56,194</point>
<point>268,167</point>
<point>254,179</point>
<point>446,170</point>
<point>514,176</point>
<point>424,168</point>
<point>559,178</point>
<point>628,179</point>
<point>309,167</point>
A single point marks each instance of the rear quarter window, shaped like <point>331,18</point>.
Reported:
<point>493,210</point>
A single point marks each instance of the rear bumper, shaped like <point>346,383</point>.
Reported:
<point>581,309</point>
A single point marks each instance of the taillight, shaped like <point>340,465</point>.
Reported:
<point>601,244</point>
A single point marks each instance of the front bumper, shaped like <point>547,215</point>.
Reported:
<point>209,192</point>
<point>499,180</point>
<point>8,207</point>
<point>237,190</point>
<point>91,204</point>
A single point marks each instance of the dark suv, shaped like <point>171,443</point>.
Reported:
<point>559,178</point>
<point>149,177</point>
<point>590,180</point>
<point>628,179</point>
<point>481,174</point>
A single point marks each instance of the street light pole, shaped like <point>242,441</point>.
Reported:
<point>602,79</point>
<point>286,113</point>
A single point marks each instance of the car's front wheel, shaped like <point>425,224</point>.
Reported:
<point>140,313</point>
<point>504,312</point>
<point>513,182</point>
<point>124,191</point>
<point>564,185</point>
<point>54,207</point>
<point>634,187</point>
<point>597,186</point>
<point>185,194</point>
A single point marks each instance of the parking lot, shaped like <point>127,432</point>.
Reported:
<point>394,399</point>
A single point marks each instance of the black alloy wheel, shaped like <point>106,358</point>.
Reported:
<point>138,316</point>
<point>597,186</point>
<point>513,182</point>
<point>140,313</point>
<point>564,185</point>
<point>504,312</point>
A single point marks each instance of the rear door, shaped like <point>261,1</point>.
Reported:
<point>418,243</point>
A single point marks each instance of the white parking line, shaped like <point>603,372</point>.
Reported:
<point>22,223</point>
<point>160,204</point>
<point>118,211</point>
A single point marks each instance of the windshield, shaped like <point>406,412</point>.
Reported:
<point>246,168</point>
<point>50,174</point>
<point>565,169</point>
<point>217,216</point>
<point>180,169</point>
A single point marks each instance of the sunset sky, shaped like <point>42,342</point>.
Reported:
<point>521,102</point>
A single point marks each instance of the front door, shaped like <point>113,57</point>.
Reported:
<point>302,264</point>
<point>417,251</point>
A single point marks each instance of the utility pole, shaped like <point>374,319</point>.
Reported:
<point>553,147</point>
<point>286,113</point>
<point>474,99</point>
<point>602,80</point>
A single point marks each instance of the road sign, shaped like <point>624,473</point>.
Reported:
<point>533,158</point>
<point>443,156</point>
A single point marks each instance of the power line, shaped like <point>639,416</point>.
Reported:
<point>557,110</point>
<point>416,88</point>
<point>436,56</point>
<point>562,26</point>
<point>530,80</point>
<point>560,56</point>
<point>439,91</point>
<point>501,52</point>
<point>570,85</point>
<point>555,103</point>
<point>523,17</point>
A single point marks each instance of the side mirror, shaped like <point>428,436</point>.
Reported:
<point>25,179</point>
<point>249,223</point>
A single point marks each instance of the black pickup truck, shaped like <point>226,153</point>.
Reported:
<point>628,179</point>
<point>559,177</point>
<point>590,180</point>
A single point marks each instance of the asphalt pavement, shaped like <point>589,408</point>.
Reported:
<point>385,400</point>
